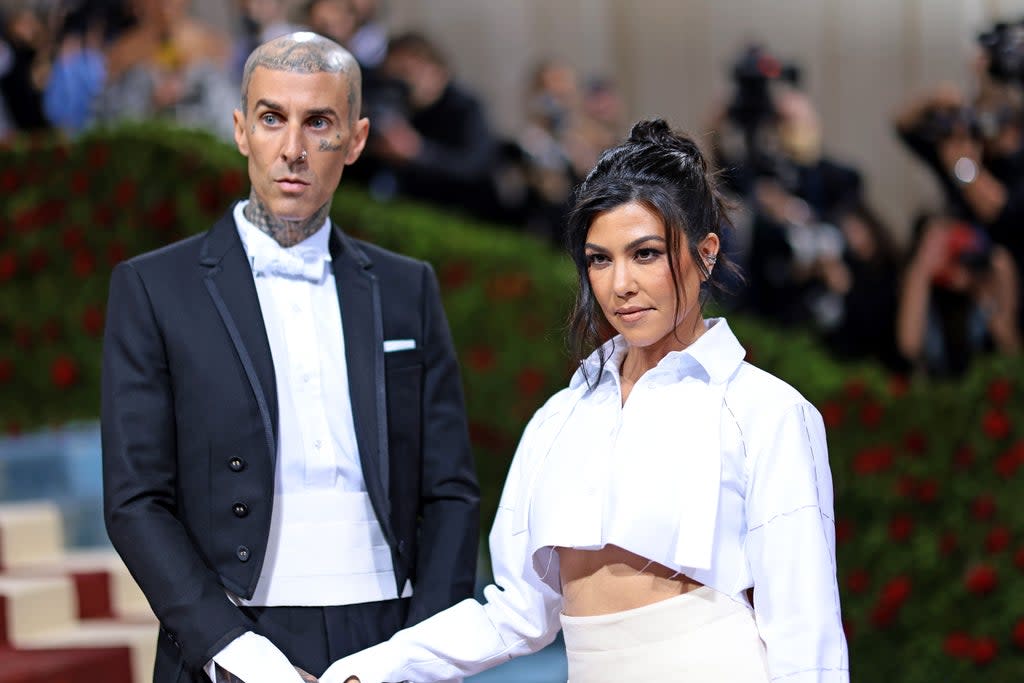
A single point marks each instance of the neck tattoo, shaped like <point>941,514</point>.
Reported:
<point>287,233</point>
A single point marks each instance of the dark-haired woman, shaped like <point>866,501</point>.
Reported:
<point>671,509</point>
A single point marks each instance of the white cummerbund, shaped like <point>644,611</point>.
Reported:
<point>325,548</point>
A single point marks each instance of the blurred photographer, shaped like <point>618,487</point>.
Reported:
<point>429,137</point>
<point>769,146</point>
<point>975,146</point>
<point>959,298</point>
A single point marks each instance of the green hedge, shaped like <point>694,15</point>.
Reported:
<point>927,477</point>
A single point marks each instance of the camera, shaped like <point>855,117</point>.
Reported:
<point>967,246</point>
<point>753,73</point>
<point>1004,46</point>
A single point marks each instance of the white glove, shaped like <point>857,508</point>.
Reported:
<point>254,659</point>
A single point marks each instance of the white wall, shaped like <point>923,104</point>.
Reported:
<point>860,58</point>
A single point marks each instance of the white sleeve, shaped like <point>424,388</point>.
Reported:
<point>519,615</point>
<point>254,659</point>
<point>791,550</point>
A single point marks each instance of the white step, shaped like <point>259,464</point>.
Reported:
<point>36,607</point>
<point>140,639</point>
<point>30,534</point>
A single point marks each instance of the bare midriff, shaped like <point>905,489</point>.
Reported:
<point>612,579</point>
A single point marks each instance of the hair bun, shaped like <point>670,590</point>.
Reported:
<point>654,131</point>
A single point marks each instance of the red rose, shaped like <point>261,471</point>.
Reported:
<point>963,457</point>
<point>99,154</point>
<point>38,259</point>
<point>509,286</point>
<point>6,370</point>
<point>996,424</point>
<point>1018,634</point>
<point>999,391</point>
<point>530,381</point>
<point>983,507</point>
<point>231,182</point>
<point>9,181</point>
<point>928,491</point>
<point>52,211</point>
<point>958,644</point>
<point>103,215</point>
<point>51,330</point>
<point>163,215</point>
<point>83,263</point>
<point>997,540</point>
<point>844,531</point>
<point>905,486</point>
<point>208,198</point>
<point>871,414</point>
<point>125,192</point>
<point>23,336</point>
<point>948,543</point>
<point>832,414</point>
<point>899,385</point>
<point>1006,465</point>
<point>872,460</point>
<point>8,265</point>
<point>63,372</point>
<point>454,275</point>
<point>915,442</point>
<point>1018,559</point>
<point>115,253</point>
<point>981,579</point>
<point>485,436</point>
<point>480,358</point>
<point>900,528</point>
<point>858,581</point>
<point>896,591</point>
<point>79,183</point>
<point>984,650</point>
<point>883,614</point>
<point>855,388</point>
<point>92,320</point>
<point>72,238</point>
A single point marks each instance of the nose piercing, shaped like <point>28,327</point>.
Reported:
<point>302,157</point>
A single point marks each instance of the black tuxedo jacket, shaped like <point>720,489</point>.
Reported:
<point>189,427</point>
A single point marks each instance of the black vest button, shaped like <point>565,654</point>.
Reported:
<point>240,509</point>
<point>236,464</point>
<point>242,553</point>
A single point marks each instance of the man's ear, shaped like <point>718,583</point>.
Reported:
<point>360,131</point>
<point>241,140</point>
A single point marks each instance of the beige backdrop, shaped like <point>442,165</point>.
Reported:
<point>860,58</point>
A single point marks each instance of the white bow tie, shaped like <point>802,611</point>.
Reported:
<point>305,263</point>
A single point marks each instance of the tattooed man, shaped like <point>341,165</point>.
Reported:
<point>287,471</point>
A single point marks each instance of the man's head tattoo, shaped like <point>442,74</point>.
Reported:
<point>307,53</point>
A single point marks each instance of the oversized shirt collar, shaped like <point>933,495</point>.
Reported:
<point>717,352</point>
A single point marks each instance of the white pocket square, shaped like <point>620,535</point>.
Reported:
<point>399,345</point>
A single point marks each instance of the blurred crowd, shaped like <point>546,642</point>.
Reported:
<point>815,253</point>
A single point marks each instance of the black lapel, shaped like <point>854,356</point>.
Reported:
<point>230,283</point>
<point>363,327</point>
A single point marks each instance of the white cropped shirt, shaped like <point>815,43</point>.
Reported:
<point>713,468</point>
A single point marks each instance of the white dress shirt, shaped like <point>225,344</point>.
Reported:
<point>713,468</point>
<point>326,546</point>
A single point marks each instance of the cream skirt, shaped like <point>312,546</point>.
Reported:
<point>699,637</point>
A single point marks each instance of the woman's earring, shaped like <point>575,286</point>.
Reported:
<point>711,259</point>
